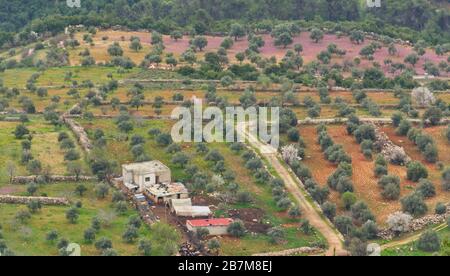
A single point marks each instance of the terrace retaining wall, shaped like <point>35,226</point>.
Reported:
<point>52,178</point>
<point>57,201</point>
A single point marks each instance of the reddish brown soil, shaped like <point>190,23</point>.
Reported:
<point>252,218</point>
<point>311,49</point>
<point>434,173</point>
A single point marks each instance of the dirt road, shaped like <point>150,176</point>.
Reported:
<point>334,239</point>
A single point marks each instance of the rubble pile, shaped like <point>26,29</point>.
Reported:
<point>393,153</point>
<point>188,250</point>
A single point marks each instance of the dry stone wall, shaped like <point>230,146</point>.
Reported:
<point>8,199</point>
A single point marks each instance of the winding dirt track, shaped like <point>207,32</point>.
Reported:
<point>334,239</point>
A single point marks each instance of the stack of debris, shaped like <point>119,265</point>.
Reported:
<point>393,153</point>
<point>188,250</point>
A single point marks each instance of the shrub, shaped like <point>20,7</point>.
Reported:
<point>293,134</point>
<point>276,235</point>
<point>357,247</point>
<point>103,244</point>
<point>72,215</point>
<point>380,170</point>
<point>130,235</point>
<point>21,131</point>
<point>414,204</point>
<point>397,117</point>
<point>344,224</point>
<point>294,212</point>
<point>446,180</point>
<point>344,184</point>
<point>416,171</point>
<point>101,190</point>
<point>244,197</point>
<point>89,235</point>
<point>426,188</point>
<point>391,191</point>
<point>403,127</point>
<point>433,115</point>
<point>360,212</point>
<point>440,208</point>
<point>429,242</point>
<point>348,199</point>
<point>145,247</point>
<point>329,210</point>
<point>236,229</point>
<point>431,153</point>
<point>388,179</point>
<point>52,236</point>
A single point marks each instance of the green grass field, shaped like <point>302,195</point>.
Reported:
<point>30,238</point>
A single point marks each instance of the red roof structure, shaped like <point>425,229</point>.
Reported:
<point>210,222</point>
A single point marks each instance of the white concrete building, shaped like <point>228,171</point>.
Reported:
<point>140,176</point>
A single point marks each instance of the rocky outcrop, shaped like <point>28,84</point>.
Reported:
<point>393,153</point>
<point>56,201</point>
<point>51,178</point>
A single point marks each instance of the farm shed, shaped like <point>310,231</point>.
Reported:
<point>216,227</point>
<point>184,208</point>
<point>139,176</point>
<point>192,211</point>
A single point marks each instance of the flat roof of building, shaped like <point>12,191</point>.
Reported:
<point>210,222</point>
<point>146,167</point>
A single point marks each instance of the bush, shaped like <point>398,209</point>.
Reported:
<point>397,117</point>
<point>431,153</point>
<point>416,171</point>
<point>361,212</point>
<point>21,131</point>
<point>236,229</point>
<point>145,247</point>
<point>294,212</point>
<point>293,134</point>
<point>446,180</point>
<point>380,170</point>
<point>276,235</point>
<point>72,215</point>
<point>388,179</point>
<point>414,204</point>
<point>130,235</point>
<point>89,235</point>
<point>348,199</point>
<point>391,191</point>
<point>403,127</point>
<point>344,224</point>
<point>244,197</point>
<point>344,184</point>
<point>429,242</point>
<point>103,244</point>
<point>440,208</point>
<point>329,210</point>
<point>426,188</point>
<point>433,115</point>
<point>370,230</point>
<point>101,190</point>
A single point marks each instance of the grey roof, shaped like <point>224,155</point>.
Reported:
<point>146,167</point>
